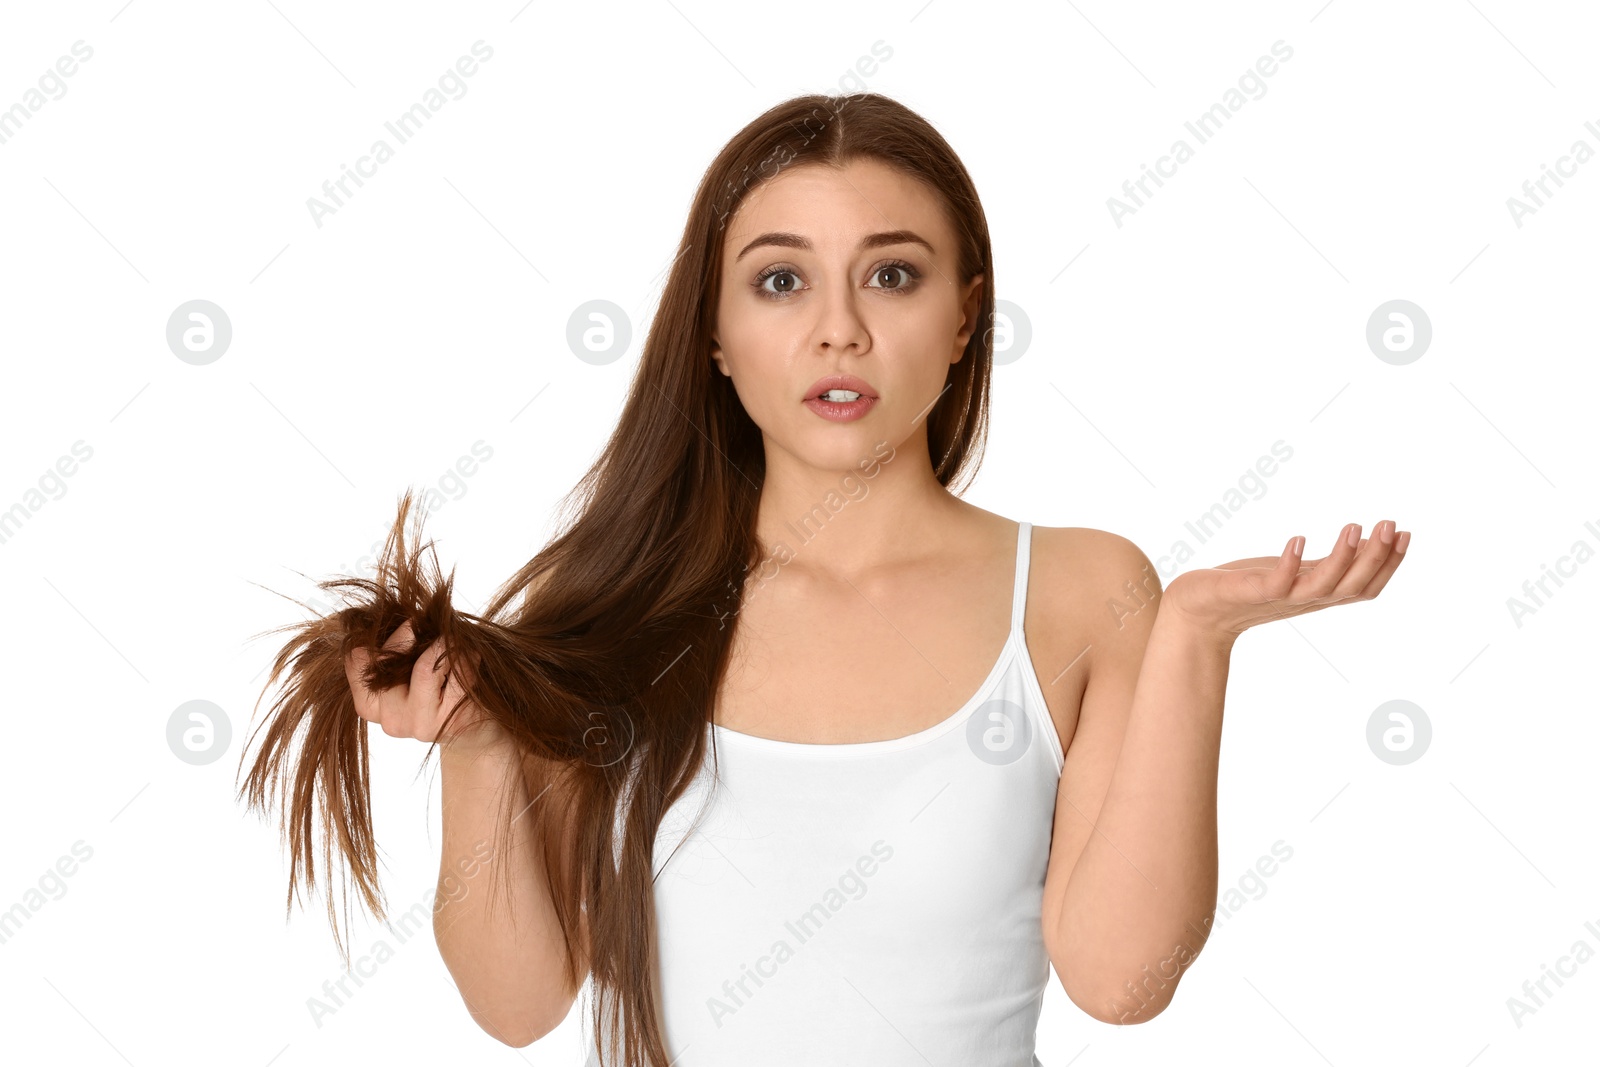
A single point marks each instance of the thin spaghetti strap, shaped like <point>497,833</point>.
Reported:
<point>1019,595</point>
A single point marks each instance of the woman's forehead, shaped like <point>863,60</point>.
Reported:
<point>833,208</point>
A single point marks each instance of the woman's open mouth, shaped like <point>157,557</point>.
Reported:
<point>841,397</point>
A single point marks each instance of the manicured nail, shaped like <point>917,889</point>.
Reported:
<point>1354,537</point>
<point>1402,541</point>
<point>1386,531</point>
<point>1297,545</point>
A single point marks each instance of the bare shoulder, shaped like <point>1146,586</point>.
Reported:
<point>1088,574</point>
<point>1088,590</point>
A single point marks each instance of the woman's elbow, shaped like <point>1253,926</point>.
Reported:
<point>1136,1001</point>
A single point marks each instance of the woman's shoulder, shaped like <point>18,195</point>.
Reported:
<point>1088,577</point>
<point>1085,549</point>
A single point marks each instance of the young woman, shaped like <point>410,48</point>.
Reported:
<point>797,755</point>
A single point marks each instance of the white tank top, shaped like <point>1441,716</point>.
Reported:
<point>873,903</point>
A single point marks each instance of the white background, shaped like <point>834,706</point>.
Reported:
<point>1167,354</point>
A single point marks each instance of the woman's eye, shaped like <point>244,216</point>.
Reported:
<point>892,269</point>
<point>784,288</point>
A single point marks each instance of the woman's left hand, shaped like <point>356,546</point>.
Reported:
<point>1227,600</point>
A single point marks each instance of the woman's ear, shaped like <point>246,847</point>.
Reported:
<point>969,316</point>
<point>716,357</point>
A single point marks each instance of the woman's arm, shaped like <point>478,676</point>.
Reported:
<point>508,962</point>
<point>1130,897</point>
<point>1129,915</point>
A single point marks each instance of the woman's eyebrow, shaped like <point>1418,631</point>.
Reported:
<point>784,239</point>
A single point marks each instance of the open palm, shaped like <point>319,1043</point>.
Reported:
<point>1233,597</point>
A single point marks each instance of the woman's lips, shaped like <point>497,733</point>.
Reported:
<point>841,381</point>
<point>841,410</point>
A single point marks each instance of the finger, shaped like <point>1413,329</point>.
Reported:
<point>1402,541</point>
<point>393,714</point>
<point>427,678</point>
<point>1321,582</point>
<point>390,704</point>
<point>1254,563</point>
<point>402,638</point>
<point>1283,576</point>
<point>1369,559</point>
<point>1274,585</point>
<point>366,703</point>
<point>426,670</point>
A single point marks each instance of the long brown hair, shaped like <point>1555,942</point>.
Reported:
<point>606,677</point>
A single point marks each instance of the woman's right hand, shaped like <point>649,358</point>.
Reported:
<point>418,710</point>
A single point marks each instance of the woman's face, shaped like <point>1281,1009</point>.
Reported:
<point>832,272</point>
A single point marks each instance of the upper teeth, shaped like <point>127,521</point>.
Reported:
<point>841,394</point>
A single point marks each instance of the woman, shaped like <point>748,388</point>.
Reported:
<point>761,747</point>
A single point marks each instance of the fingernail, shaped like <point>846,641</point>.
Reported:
<point>1297,546</point>
<point>1402,541</point>
<point>1354,537</point>
<point>1386,531</point>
